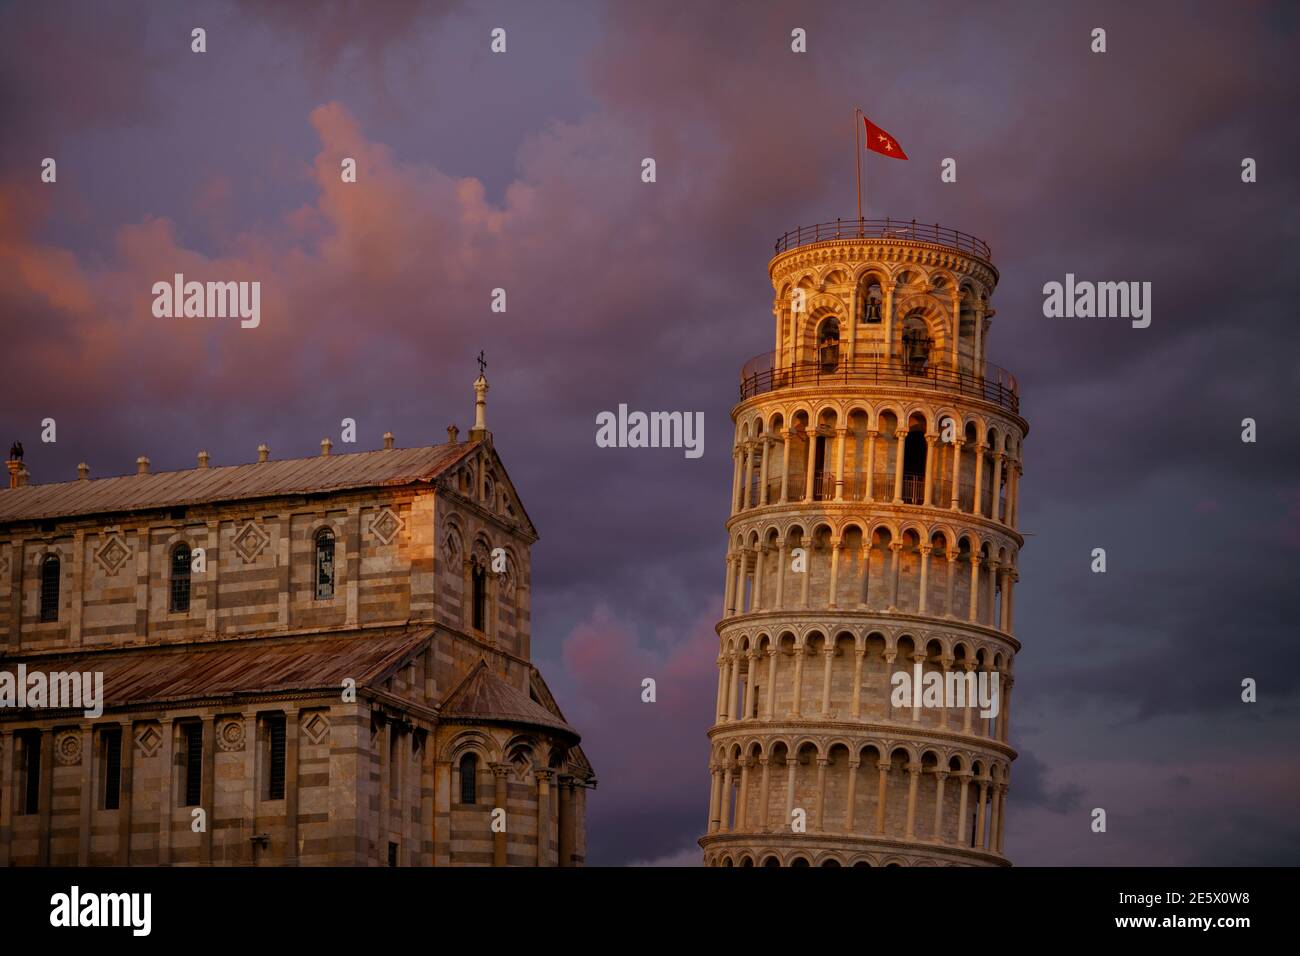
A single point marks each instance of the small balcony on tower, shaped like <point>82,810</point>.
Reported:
<point>915,367</point>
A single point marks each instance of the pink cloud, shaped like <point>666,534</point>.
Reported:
<point>651,758</point>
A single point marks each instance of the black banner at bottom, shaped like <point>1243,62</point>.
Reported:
<point>377,907</point>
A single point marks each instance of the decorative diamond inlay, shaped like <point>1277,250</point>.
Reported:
<point>386,525</point>
<point>250,542</point>
<point>149,740</point>
<point>113,554</point>
<point>316,728</point>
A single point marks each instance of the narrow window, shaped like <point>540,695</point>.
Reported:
<point>275,724</point>
<point>180,590</point>
<point>112,779</point>
<point>31,770</point>
<point>50,588</point>
<point>872,304</point>
<point>394,767</point>
<point>828,345</point>
<point>324,564</point>
<point>392,854</point>
<point>469,778</point>
<point>917,343</point>
<point>193,764</point>
<point>480,598</point>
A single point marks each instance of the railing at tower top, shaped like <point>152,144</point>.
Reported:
<point>996,385</point>
<point>911,231</point>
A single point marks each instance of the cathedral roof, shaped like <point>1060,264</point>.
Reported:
<point>194,672</point>
<point>484,697</point>
<point>195,486</point>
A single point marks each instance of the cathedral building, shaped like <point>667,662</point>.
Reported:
<point>317,661</point>
<point>867,643</point>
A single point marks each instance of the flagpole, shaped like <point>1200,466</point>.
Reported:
<point>857,156</point>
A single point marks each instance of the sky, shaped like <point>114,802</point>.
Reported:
<point>522,170</point>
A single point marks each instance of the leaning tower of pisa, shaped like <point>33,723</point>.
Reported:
<point>872,534</point>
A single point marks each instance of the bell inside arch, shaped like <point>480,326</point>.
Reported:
<point>828,345</point>
<point>917,345</point>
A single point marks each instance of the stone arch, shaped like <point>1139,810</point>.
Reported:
<point>942,281</point>
<point>523,762</point>
<point>923,314</point>
<point>828,414</point>
<point>834,275</point>
<point>907,275</point>
<point>481,550</point>
<point>902,749</point>
<point>934,649</point>
<point>804,279</point>
<point>469,740</point>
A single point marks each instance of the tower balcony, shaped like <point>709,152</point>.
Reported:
<point>761,374</point>
<point>888,230</point>
<point>855,490</point>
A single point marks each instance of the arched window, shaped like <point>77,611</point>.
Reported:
<point>479,581</point>
<point>828,345</point>
<point>324,564</point>
<point>180,582</point>
<point>872,304</point>
<point>915,452</point>
<point>50,588</point>
<point>469,778</point>
<point>916,343</point>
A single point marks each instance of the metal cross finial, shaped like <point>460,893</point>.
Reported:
<point>482,362</point>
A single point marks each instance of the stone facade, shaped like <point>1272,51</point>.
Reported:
<point>873,532</point>
<point>352,639</point>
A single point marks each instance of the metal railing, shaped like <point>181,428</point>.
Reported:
<point>996,385</point>
<point>911,231</point>
<point>824,486</point>
<point>855,487</point>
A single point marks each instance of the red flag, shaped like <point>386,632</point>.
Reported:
<point>878,141</point>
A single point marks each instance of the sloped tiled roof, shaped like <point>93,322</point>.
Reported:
<point>269,479</point>
<point>206,671</point>
<point>483,696</point>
